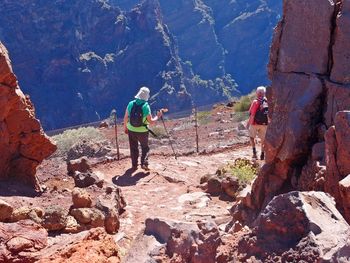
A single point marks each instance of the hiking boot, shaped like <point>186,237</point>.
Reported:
<point>262,156</point>
<point>145,167</point>
<point>254,154</point>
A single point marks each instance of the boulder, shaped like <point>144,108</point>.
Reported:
<point>81,198</point>
<point>23,143</point>
<point>214,185</point>
<point>112,222</point>
<point>91,216</point>
<point>5,211</point>
<point>27,212</point>
<point>92,246</point>
<point>304,226</point>
<point>230,186</point>
<point>112,204</point>
<point>81,165</point>
<point>72,225</point>
<point>112,200</point>
<point>21,241</point>
<point>89,149</point>
<point>186,242</point>
<point>55,218</point>
<point>87,179</point>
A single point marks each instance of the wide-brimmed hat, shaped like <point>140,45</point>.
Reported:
<point>143,94</point>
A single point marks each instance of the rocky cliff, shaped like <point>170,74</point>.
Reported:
<point>23,145</point>
<point>306,145</point>
<point>94,55</point>
<point>224,37</point>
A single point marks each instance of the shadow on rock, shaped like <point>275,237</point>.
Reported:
<point>128,178</point>
<point>11,187</point>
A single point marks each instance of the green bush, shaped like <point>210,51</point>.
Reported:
<point>203,117</point>
<point>244,102</point>
<point>240,116</point>
<point>159,131</point>
<point>68,138</point>
<point>243,169</point>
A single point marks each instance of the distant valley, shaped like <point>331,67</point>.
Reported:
<point>80,59</point>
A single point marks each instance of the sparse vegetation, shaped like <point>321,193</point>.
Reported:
<point>68,138</point>
<point>243,169</point>
<point>240,116</point>
<point>244,102</point>
<point>203,117</point>
<point>159,131</point>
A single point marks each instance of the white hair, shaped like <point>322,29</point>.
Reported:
<point>261,90</point>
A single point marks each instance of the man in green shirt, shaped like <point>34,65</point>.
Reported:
<point>136,120</point>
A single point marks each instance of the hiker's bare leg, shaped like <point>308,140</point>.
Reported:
<point>252,143</point>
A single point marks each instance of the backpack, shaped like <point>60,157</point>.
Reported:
<point>260,117</point>
<point>136,115</point>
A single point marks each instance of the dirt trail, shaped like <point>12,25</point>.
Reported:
<point>171,190</point>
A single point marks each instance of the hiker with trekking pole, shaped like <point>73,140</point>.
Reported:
<point>136,120</point>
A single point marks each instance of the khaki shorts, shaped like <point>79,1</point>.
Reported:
<point>258,130</point>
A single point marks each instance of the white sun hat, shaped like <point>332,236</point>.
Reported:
<point>143,94</point>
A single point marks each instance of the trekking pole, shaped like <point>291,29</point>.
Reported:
<point>116,133</point>
<point>167,133</point>
<point>196,126</point>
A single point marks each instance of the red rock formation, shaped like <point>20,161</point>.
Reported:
<point>297,227</point>
<point>307,145</point>
<point>21,241</point>
<point>23,144</point>
<point>92,247</point>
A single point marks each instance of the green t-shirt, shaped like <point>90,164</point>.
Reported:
<point>146,110</point>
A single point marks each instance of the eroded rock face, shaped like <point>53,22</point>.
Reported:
<point>23,144</point>
<point>307,145</point>
<point>186,242</point>
<point>93,246</point>
<point>298,226</point>
<point>21,241</point>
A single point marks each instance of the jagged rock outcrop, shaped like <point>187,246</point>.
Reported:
<point>167,240</point>
<point>297,227</point>
<point>21,241</point>
<point>23,144</point>
<point>307,143</point>
<point>92,246</point>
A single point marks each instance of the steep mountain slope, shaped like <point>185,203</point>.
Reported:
<point>224,37</point>
<point>80,59</point>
